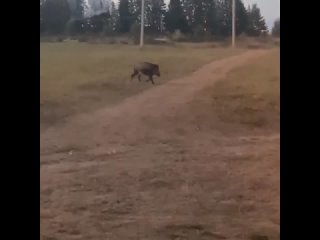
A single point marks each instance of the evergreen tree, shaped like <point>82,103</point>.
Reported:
<point>155,10</point>
<point>153,13</point>
<point>256,23</point>
<point>98,22</point>
<point>78,12</point>
<point>276,28</point>
<point>125,17</point>
<point>241,17</point>
<point>201,14</point>
<point>210,16</point>
<point>188,9</point>
<point>224,17</point>
<point>175,18</point>
<point>135,10</point>
<point>55,15</point>
<point>114,17</point>
<point>198,16</point>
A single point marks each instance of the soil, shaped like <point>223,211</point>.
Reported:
<point>145,169</point>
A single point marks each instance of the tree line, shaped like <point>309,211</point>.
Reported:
<point>190,17</point>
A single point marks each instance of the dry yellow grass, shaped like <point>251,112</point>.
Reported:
<point>172,171</point>
<point>251,95</point>
<point>77,77</point>
<point>248,99</point>
<point>246,105</point>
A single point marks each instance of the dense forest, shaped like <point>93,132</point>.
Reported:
<point>196,18</point>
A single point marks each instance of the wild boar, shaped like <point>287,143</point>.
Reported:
<point>145,68</point>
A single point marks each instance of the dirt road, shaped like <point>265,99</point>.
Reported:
<point>144,169</point>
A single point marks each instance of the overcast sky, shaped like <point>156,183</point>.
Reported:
<point>270,9</point>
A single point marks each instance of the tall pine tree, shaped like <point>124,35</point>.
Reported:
<point>114,17</point>
<point>241,17</point>
<point>126,19</point>
<point>188,9</point>
<point>55,15</point>
<point>210,16</point>
<point>135,9</point>
<point>276,28</point>
<point>201,14</point>
<point>78,12</point>
<point>224,17</point>
<point>256,23</point>
<point>198,18</point>
<point>155,10</point>
<point>175,18</point>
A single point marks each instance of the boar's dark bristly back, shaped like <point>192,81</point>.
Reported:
<point>150,64</point>
<point>145,68</point>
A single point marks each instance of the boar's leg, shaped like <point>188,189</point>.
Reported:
<point>134,74</point>
<point>151,79</point>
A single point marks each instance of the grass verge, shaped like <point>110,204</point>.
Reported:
<point>78,77</point>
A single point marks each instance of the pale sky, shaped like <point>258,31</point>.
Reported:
<point>270,9</point>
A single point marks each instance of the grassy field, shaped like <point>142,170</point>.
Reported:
<point>203,165</point>
<point>246,105</point>
<point>249,98</point>
<point>77,77</point>
<point>251,95</point>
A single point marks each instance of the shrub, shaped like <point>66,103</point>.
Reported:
<point>198,33</point>
<point>108,30</point>
<point>178,36</point>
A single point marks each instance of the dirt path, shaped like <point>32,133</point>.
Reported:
<point>127,119</point>
<point>143,170</point>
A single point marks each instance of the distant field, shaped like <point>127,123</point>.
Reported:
<point>77,77</point>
